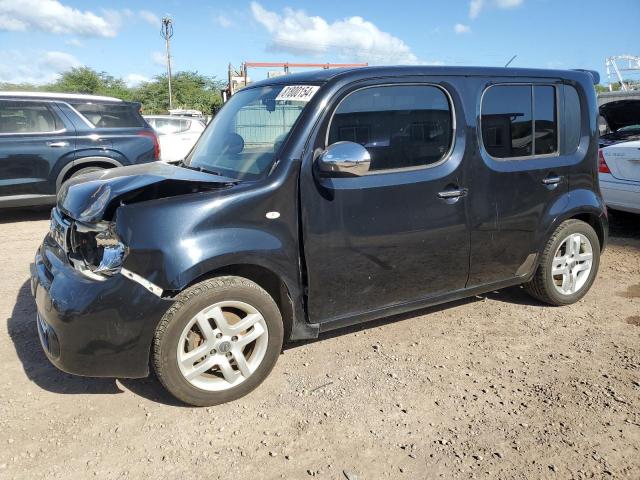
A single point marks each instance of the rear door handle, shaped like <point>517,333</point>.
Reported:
<point>552,180</point>
<point>453,193</point>
<point>58,144</point>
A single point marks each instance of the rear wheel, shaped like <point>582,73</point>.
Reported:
<point>568,265</point>
<point>218,341</point>
<point>82,171</point>
<point>79,172</point>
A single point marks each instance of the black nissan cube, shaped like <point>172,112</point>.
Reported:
<point>319,200</point>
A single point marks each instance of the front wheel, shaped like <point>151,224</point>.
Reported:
<point>218,341</point>
<point>568,265</point>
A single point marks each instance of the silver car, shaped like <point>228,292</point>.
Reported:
<point>619,172</point>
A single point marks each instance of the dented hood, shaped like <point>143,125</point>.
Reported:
<point>95,196</point>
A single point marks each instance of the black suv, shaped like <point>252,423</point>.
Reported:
<point>318,200</point>
<point>47,138</point>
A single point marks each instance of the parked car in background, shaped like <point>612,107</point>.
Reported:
<point>177,135</point>
<point>48,138</point>
<point>619,118</point>
<point>319,200</point>
<point>619,173</point>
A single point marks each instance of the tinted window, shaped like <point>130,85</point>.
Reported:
<point>400,126</point>
<point>511,114</point>
<point>546,125</point>
<point>167,126</point>
<point>507,130</point>
<point>104,115</point>
<point>572,119</point>
<point>27,117</point>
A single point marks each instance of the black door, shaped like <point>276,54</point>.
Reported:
<point>33,139</point>
<point>397,234</point>
<point>519,174</point>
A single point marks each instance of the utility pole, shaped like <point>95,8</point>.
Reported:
<point>167,32</point>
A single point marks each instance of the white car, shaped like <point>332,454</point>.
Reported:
<point>177,135</point>
<point>619,173</point>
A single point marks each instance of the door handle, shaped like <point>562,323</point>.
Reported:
<point>454,193</point>
<point>552,180</point>
<point>58,144</point>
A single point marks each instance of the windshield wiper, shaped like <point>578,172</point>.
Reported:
<point>199,169</point>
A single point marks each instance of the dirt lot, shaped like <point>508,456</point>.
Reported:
<point>499,386</point>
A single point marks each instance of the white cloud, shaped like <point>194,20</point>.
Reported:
<point>149,17</point>
<point>223,21</point>
<point>74,42</point>
<point>460,28</point>
<point>135,79</point>
<point>159,58</point>
<point>352,38</point>
<point>34,67</point>
<point>53,17</point>
<point>476,6</point>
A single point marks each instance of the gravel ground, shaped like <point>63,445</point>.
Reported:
<point>497,386</point>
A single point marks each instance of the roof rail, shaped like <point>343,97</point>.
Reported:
<point>62,96</point>
<point>594,74</point>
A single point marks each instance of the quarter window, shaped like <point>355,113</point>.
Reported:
<point>109,115</point>
<point>401,126</point>
<point>572,119</point>
<point>519,121</point>
<point>27,117</point>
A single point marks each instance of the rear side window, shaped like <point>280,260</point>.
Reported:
<point>109,115</point>
<point>165,126</point>
<point>401,126</point>
<point>28,117</point>
<point>572,119</point>
<point>519,121</point>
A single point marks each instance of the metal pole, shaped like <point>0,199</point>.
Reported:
<point>167,33</point>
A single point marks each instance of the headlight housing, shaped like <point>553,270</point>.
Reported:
<point>97,250</point>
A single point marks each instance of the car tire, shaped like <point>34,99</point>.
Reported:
<point>219,340</point>
<point>568,265</point>
<point>82,171</point>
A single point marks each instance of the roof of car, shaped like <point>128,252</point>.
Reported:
<point>58,96</point>
<point>325,75</point>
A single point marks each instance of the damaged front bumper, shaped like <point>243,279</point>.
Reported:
<point>91,327</point>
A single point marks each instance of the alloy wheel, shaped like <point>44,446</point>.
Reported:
<point>222,345</point>
<point>572,264</point>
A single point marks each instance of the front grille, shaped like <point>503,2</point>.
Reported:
<point>59,229</point>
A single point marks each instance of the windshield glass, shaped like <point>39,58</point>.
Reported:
<point>247,133</point>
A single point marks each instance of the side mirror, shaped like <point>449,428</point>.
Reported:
<point>345,158</point>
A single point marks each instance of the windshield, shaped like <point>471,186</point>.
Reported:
<point>247,133</point>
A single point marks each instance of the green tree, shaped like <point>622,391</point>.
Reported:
<point>190,90</point>
<point>87,80</point>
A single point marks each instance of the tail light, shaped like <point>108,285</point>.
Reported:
<point>602,164</point>
<point>154,139</point>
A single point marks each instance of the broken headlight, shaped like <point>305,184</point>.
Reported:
<point>96,249</point>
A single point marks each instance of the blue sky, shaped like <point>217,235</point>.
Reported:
<point>40,38</point>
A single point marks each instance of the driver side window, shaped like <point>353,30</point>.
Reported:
<point>402,126</point>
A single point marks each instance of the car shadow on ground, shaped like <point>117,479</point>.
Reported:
<point>22,330</point>
<point>622,227</point>
<point>16,215</point>
<point>514,295</point>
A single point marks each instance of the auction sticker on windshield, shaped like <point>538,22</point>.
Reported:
<point>300,93</point>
